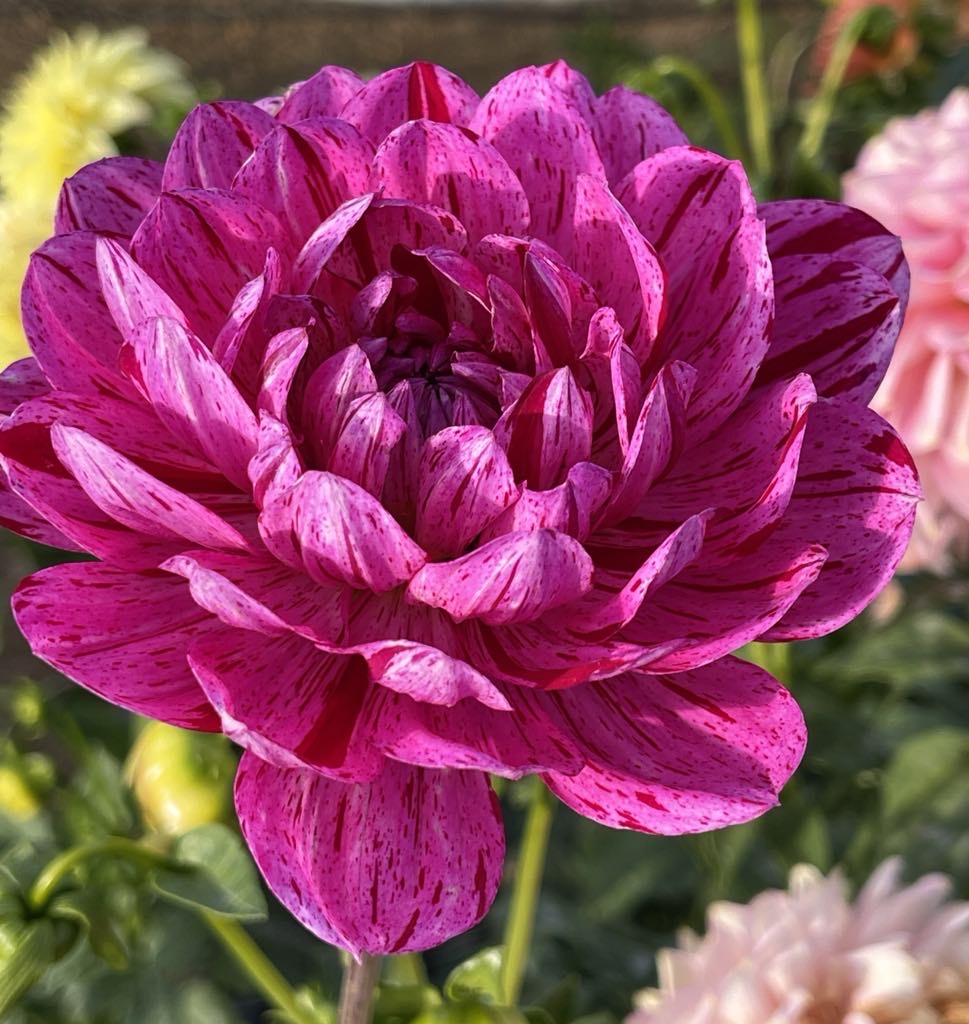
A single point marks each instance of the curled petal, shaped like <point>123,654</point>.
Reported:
<point>515,578</point>
<point>413,857</point>
<point>325,240</point>
<point>324,94</point>
<point>419,91</point>
<point>336,531</point>
<point>276,466</point>
<point>108,195</point>
<point>629,128</point>
<point>465,483</point>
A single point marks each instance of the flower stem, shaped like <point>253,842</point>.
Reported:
<point>49,880</point>
<point>357,991</point>
<point>750,44</point>
<point>822,106</point>
<point>524,898</point>
<point>258,968</point>
<point>672,66</point>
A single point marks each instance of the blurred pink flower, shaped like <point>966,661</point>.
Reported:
<point>422,437</point>
<point>897,955</point>
<point>914,178</point>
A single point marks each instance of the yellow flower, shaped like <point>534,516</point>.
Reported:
<point>64,111</point>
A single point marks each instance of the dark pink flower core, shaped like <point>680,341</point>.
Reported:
<point>420,437</point>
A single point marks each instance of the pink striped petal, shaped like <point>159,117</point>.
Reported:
<point>135,498</point>
<point>122,635</point>
<point>548,430</point>
<point>325,240</point>
<point>276,466</point>
<point>798,227</point>
<point>539,130</point>
<point>465,483</point>
<point>630,128</point>
<point>286,701</point>
<point>631,280</point>
<point>68,326</point>
<point>303,172</point>
<point>442,164</point>
<point>201,246</point>
<point>515,578</point>
<point>419,91</point>
<point>195,398</point>
<point>23,519</point>
<point>324,94</point>
<point>21,381</point>
<point>365,438</point>
<point>334,384</point>
<point>111,195</point>
<point>130,294</point>
<point>411,859</point>
<point>697,210</point>
<point>683,753</point>
<point>336,531</point>
<point>284,354</point>
<point>212,144</point>
<point>837,321</point>
<point>856,493</point>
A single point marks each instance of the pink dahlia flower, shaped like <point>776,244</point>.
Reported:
<point>420,437</point>
<point>896,955</point>
<point>914,178</point>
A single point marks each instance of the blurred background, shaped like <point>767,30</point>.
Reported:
<point>886,698</point>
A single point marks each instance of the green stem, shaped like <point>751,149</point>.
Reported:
<point>357,991</point>
<point>261,971</point>
<point>524,898</point>
<point>671,66</point>
<point>822,106</point>
<point>49,880</point>
<point>750,44</point>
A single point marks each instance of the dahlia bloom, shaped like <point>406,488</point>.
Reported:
<point>897,955</point>
<point>420,436</point>
<point>913,178</point>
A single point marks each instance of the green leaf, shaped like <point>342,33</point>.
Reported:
<point>27,949</point>
<point>218,874</point>
<point>89,909</point>
<point>477,978</point>
<point>923,771</point>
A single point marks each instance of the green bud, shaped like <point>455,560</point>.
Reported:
<point>180,779</point>
<point>17,800</point>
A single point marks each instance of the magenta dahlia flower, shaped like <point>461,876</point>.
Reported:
<point>420,437</point>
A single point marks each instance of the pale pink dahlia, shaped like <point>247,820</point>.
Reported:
<point>420,437</point>
<point>896,955</point>
<point>915,178</point>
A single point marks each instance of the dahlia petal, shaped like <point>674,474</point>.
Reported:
<point>419,91</point>
<point>548,430</point>
<point>574,84</point>
<point>510,325</point>
<point>797,227</point>
<point>325,240</point>
<point>465,483</point>
<point>837,321</point>
<point>684,753</point>
<point>310,714</point>
<point>414,857</point>
<point>130,294</point>
<point>572,507</point>
<point>336,531</point>
<point>213,142</point>
<point>276,466</point>
<point>442,164</point>
<point>195,398</point>
<point>365,438</point>
<point>334,384</point>
<point>68,326</point>
<point>302,172</point>
<point>539,130</point>
<point>112,195</point>
<point>284,353</point>
<point>21,381</point>
<point>656,440</point>
<point>201,246</point>
<point>122,635</point>
<point>324,94</point>
<point>714,610</point>
<point>514,578</point>
<point>631,281</point>
<point>23,519</point>
<point>856,492</point>
<point>629,128</point>
<point>550,310</point>
<point>719,306</point>
<point>135,498</point>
